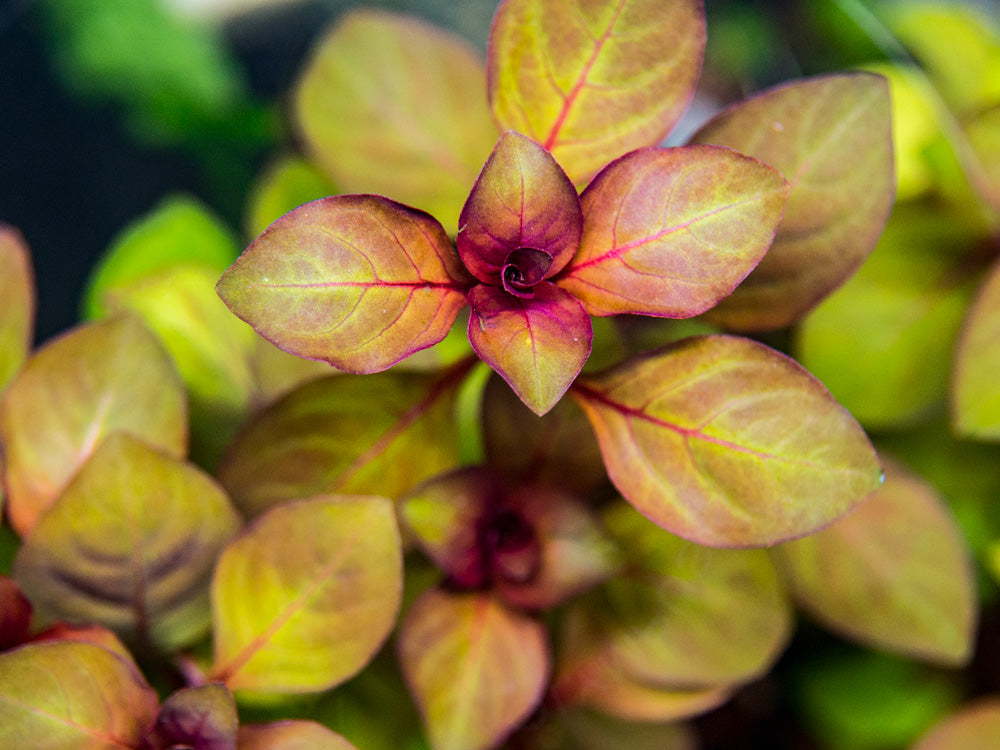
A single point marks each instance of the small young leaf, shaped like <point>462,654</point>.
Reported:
<point>15,614</point>
<point>17,312</point>
<point>590,81</point>
<point>975,390</point>
<point>201,718</point>
<point>726,442</point>
<point>670,232</point>
<point>307,613</point>
<point>292,734</point>
<point>476,669</point>
<point>974,727</point>
<point>96,379</point>
<point>356,280</point>
<point>831,137</point>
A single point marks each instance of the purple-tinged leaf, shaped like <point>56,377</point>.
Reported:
<point>308,613</point>
<point>975,390</point>
<point>670,232</point>
<point>200,718</point>
<point>831,138</point>
<point>391,105</point>
<point>17,313</point>
<point>475,668</point>
<point>92,381</point>
<point>974,727</point>
<point>358,281</point>
<point>537,345</point>
<point>130,545</point>
<point>292,734</point>
<point>63,695</point>
<point>590,81</point>
<point>522,199</point>
<point>15,614</point>
<point>726,442</point>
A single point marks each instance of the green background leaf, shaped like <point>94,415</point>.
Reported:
<point>975,390</point>
<point>17,313</point>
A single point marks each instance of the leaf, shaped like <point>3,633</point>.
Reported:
<point>130,545</point>
<point>476,669</point>
<point>96,379</point>
<point>378,434</point>
<point>726,442</point>
<point>590,81</point>
<point>292,734</point>
<point>895,574</point>
<point>670,232</point>
<point>201,718</point>
<point>974,727</point>
<point>975,393</point>
<point>984,146</point>
<point>17,290</point>
<point>64,695</point>
<point>308,613</point>
<point>389,90</point>
<point>831,137</point>
<point>15,614</point>
<point>580,729</point>
<point>285,183</point>
<point>356,280</point>
<point>538,344</point>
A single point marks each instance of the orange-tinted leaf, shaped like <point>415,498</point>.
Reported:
<point>975,390</point>
<point>290,735</point>
<point>670,232</point>
<point>726,442</point>
<point>15,614</point>
<point>97,635</point>
<point>202,718</point>
<point>590,81</point>
<point>831,137</point>
<point>975,727</point>
<point>96,379</point>
<point>17,312</point>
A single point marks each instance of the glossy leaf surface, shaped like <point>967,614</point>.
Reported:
<point>308,613</point>
<point>975,391</point>
<point>17,290</point>
<point>130,545</point>
<point>590,81</point>
<point>670,232</point>
<point>476,669</point>
<point>726,442</point>
<point>77,389</point>
<point>831,138</point>
<point>290,735</point>
<point>975,727</point>
<point>202,718</point>
<point>356,280</point>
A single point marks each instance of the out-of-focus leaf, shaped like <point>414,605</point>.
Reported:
<point>976,726</point>
<point>377,434</point>
<point>201,718</point>
<point>94,380</point>
<point>983,135</point>
<point>975,389</point>
<point>388,90</point>
<point>590,81</point>
<point>63,695</point>
<point>286,183</point>
<point>356,280</point>
<point>670,232</point>
<point>726,442</point>
<point>290,735</point>
<point>17,312</point>
<point>476,669</point>
<point>98,635</point>
<point>894,574</point>
<point>15,614</point>
<point>130,544</point>
<point>581,729</point>
<point>303,599</point>
<point>278,373</point>
<point>831,137</point>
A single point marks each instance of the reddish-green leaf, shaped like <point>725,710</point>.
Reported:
<point>727,442</point>
<point>670,232</point>
<point>63,695</point>
<point>356,280</point>
<point>476,669</point>
<point>975,727</point>
<point>975,394</point>
<point>15,614</point>
<point>831,137</point>
<point>290,735</point>
<point>17,312</point>
<point>90,382</point>
<point>894,574</point>
<point>304,598</point>
<point>130,545</point>
<point>390,105</point>
<point>201,718</point>
<point>590,81</point>
<point>538,344</point>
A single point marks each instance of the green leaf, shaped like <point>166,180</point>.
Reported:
<point>17,313</point>
<point>590,81</point>
<point>580,729</point>
<point>670,232</point>
<point>831,138</point>
<point>284,184</point>
<point>202,718</point>
<point>726,442</point>
<point>377,434</point>
<point>388,90</point>
<point>63,695</point>
<point>973,727</point>
<point>290,734</point>
<point>982,133</point>
<point>895,574</point>
<point>129,545</point>
<point>303,599</point>
<point>356,280</point>
<point>975,392</point>
<point>476,669</point>
<point>91,381</point>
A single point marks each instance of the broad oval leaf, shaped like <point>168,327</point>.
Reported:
<point>201,718</point>
<point>590,81</point>
<point>670,232</point>
<point>17,313</point>
<point>358,281</point>
<point>94,380</point>
<point>63,695</point>
<point>130,544</point>
<point>895,574</point>
<point>291,734</point>
<point>974,727</point>
<point>975,392</point>
<point>389,90</point>
<point>476,669</point>
<point>831,137</point>
<point>303,599</point>
<point>726,442</point>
